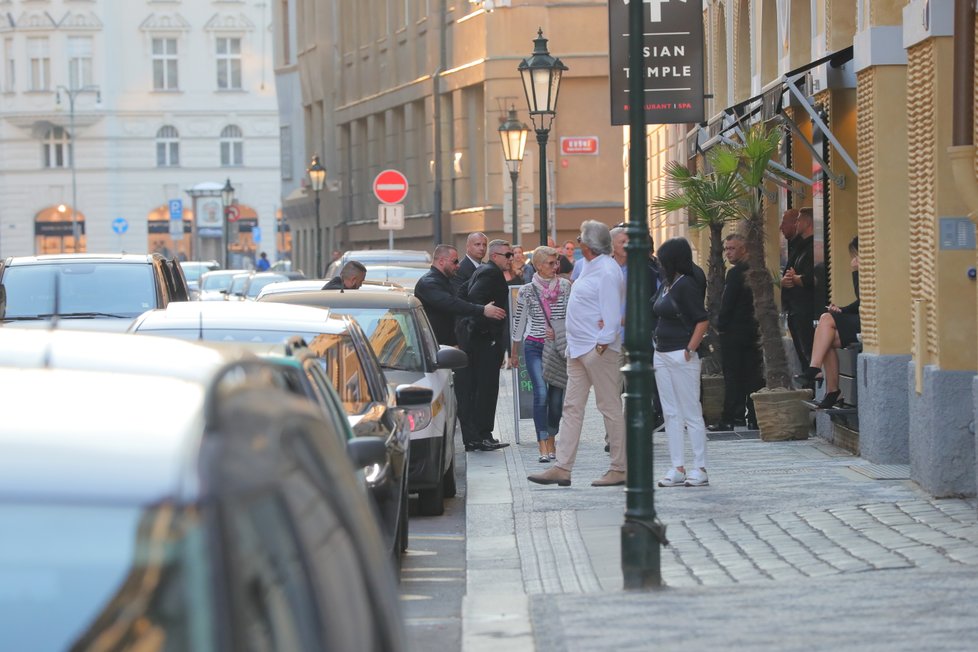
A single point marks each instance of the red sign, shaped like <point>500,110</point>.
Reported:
<point>390,187</point>
<point>578,145</point>
<point>234,213</point>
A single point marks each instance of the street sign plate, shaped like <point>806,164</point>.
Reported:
<point>234,213</point>
<point>176,209</point>
<point>120,225</point>
<point>390,187</point>
<point>256,233</point>
<point>390,217</point>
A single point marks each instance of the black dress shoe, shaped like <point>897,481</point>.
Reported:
<point>720,427</point>
<point>493,444</point>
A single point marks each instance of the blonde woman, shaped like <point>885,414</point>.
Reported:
<point>538,305</point>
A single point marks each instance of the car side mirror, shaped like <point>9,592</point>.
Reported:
<point>367,451</point>
<point>413,395</point>
<point>451,358</point>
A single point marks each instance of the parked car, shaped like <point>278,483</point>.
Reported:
<point>378,257</point>
<point>248,288</point>
<point>88,291</point>
<point>214,286</point>
<point>312,285</point>
<point>233,523</point>
<point>194,269</point>
<point>239,283</point>
<point>373,409</point>
<point>402,338</point>
<point>405,275</point>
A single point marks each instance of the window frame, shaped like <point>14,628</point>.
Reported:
<point>168,144</point>
<point>232,146</point>
<point>57,149</point>
<point>163,61</point>
<point>81,62</point>
<point>226,63</point>
<point>39,64</point>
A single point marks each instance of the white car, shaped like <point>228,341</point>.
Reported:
<point>402,338</point>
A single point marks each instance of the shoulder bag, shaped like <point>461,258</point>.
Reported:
<point>554,362</point>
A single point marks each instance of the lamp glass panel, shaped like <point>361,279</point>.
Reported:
<point>541,90</point>
<point>554,88</point>
<point>527,77</point>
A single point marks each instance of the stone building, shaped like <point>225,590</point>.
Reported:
<point>165,96</point>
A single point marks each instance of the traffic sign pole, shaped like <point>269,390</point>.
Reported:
<point>390,188</point>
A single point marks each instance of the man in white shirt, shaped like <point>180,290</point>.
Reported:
<point>593,347</point>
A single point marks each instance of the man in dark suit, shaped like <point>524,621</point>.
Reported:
<point>798,282</point>
<point>487,342</point>
<point>739,341</point>
<point>350,277</point>
<point>475,251</point>
<point>441,305</point>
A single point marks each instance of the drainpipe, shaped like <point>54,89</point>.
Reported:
<point>436,226</point>
<point>962,150</point>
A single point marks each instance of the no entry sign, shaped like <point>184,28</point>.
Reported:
<point>390,187</point>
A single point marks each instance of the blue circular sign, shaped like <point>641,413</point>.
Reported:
<point>120,225</point>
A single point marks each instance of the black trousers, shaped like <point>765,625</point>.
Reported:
<point>743,365</point>
<point>802,328</point>
<point>477,389</point>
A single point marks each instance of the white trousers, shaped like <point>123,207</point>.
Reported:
<point>679,392</point>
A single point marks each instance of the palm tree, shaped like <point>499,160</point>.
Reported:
<point>733,191</point>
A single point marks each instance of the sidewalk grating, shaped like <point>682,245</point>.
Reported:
<point>883,471</point>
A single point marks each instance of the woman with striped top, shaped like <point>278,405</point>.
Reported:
<point>538,304</point>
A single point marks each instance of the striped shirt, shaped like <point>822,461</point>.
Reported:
<point>528,317</point>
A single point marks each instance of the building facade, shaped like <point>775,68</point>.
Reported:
<point>880,142</point>
<point>422,87</point>
<point>164,96</point>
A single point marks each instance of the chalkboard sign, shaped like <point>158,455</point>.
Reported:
<point>522,385</point>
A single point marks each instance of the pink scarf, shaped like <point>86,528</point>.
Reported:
<point>549,291</point>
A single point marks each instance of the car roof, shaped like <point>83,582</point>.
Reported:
<point>392,298</point>
<point>292,286</point>
<point>252,315</point>
<point>224,272</point>
<point>100,443</point>
<point>113,352</point>
<point>48,259</point>
<point>386,254</point>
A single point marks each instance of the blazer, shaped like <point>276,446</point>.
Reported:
<point>489,284</point>
<point>737,304</point>
<point>434,291</point>
<point>464,272</point>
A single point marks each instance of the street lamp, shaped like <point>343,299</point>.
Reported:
<point>317,176</point>
<point>72,93</point>
<point>512,134</point>
<point>227,198</point>
<point>541,81</point>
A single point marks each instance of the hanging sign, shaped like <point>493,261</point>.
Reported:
<point>672,64</point>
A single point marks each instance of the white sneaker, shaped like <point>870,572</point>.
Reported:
<point>674,478</point>
<point>697,478</point>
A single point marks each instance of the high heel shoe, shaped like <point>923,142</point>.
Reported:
<point>809,378</point>
<point>830,400</point>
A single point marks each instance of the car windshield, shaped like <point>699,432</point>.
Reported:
<point>109,289</point>
<point>215,282</point>
<point>238,283</point>
<point>193,271</point>
<point>392,335</point>
<point>89,577</point>
<point>258,282</point>
<point>406,276</point>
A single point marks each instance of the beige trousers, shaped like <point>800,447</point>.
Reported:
<point>603,371</point>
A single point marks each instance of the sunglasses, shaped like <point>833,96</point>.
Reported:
<point>455,261</point>
<point>508,254</point>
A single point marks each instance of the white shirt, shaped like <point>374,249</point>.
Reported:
<point>598,295</point>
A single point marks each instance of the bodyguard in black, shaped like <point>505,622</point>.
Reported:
<point>798,286</point>
<point>475,251</point>
<point>739,341</point>
<point>485,350</point>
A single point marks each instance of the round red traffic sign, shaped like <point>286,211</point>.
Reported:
<point>390,187</point>
<point>234,213</point>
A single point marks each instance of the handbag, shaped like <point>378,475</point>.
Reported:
<point>554,361</point>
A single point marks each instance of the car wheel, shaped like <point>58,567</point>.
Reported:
<point>449,481</point>
<point>431,502</point>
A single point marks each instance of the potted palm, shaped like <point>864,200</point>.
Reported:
<point>733,190</point>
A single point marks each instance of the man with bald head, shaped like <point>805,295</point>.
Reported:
<point>475,251</point>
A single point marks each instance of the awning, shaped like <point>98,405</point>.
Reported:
<point>768,105</point>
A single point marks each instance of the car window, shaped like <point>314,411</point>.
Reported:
<point>258,283</point>
<point>119,289</point>
<point>427,335</point>
<point>215,282</point>
<point>238,284</point>
<point>392,336</point>
<point>336,416</point>
<point>84,576</point>
<point>271,595</point>
<point>343,368</point>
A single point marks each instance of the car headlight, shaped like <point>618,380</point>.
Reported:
<point>419,418</point>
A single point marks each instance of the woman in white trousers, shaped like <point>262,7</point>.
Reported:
<point>682,323</point>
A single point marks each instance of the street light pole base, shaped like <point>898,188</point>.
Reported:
<point>640,558</point>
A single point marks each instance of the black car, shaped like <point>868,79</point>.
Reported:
<point>88,291</point>
<point>234,523</point>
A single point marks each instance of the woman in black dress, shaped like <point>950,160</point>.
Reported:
<point>836,329</point>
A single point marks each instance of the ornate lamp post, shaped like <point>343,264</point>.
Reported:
<point>227,198</point>
<point>513,133</point>
<point>541,81</point>
<point>71,94</point>
<point>317,176</point>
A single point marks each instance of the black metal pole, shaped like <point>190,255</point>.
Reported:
<point>542,135</point>
<point>514,178</point>
<point>641,533</point>
<point>319,240</point>
<point>225,238</point>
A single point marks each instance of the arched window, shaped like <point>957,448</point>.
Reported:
<point>167,147</point>
<point>57,148</point>
<point>232,147</point>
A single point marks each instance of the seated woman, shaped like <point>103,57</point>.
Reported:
<point>836,329</point>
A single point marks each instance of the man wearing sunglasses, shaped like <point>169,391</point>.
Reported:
<point>486,341</point>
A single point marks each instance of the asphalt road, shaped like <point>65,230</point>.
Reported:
<point>433,571</point>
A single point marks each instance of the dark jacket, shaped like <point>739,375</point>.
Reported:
<point>736,316</point>
<point>335,283</point>
<point>464,272</point>
<point>801,256</point>
<point>677,310</point>
<point>489,284</point>
<point>434,291</point>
